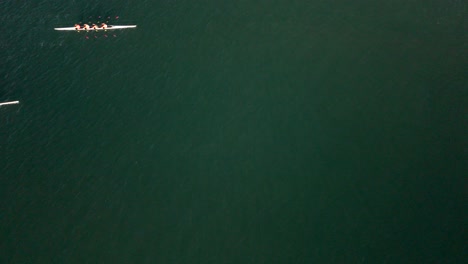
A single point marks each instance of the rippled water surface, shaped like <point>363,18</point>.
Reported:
<point>234,132</point>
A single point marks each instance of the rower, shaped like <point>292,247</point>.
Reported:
<point>77,26</point>
<point>86,26</point>
<point>104,26</point>
<point>95,27</point>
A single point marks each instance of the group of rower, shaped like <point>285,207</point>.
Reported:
<point>87,27</point>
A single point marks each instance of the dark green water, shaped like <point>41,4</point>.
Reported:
<point>234,132</point>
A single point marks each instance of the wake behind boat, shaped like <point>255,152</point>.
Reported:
<point>109,27</point>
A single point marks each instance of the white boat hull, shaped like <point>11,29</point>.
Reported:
<point>9,103</point>
<point>110,27</point>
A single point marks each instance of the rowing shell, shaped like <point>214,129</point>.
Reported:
<point>9,103</point>
<point>91,29</point>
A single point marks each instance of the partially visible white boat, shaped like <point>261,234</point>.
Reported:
<point>9,103</point>
<point>110,27</point>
